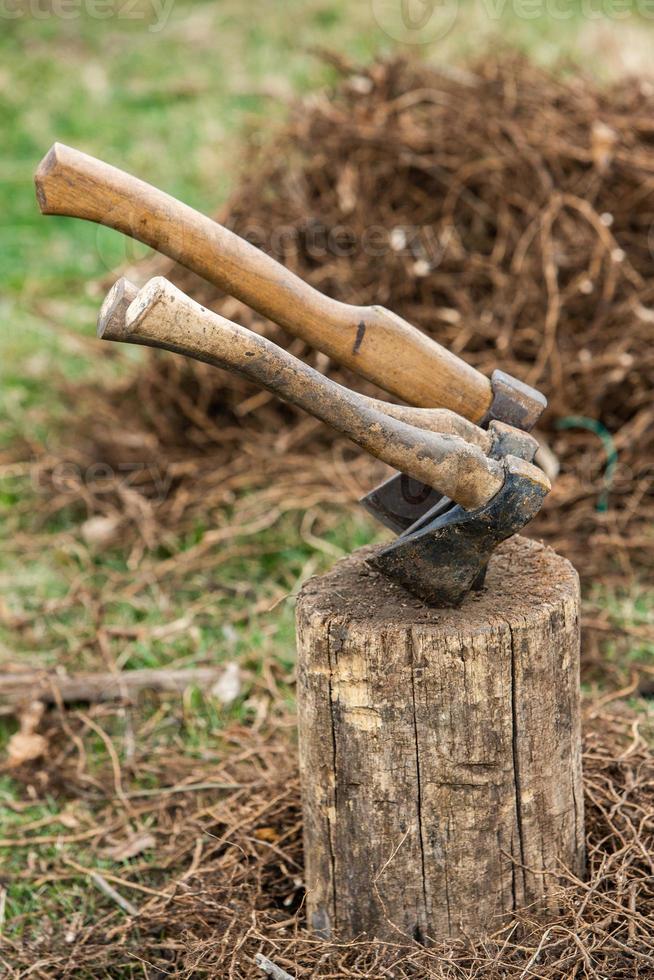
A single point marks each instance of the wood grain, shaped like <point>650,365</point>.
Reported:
<point>440,750</point>
<point>370,340</point>
<point>163,316</point>
<point>111,319</point>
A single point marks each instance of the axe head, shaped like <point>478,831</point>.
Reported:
<point>403,504</point>
<point>443,560</point>
<point>399,502</point>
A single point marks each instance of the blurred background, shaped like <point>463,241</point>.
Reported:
<point>156,515</point>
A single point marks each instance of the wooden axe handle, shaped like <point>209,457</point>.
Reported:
<point>162,316</point>
<point>112,326</point>
<point>370,340</point>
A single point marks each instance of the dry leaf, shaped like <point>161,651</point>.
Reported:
<point>268,834</point>
<point>603,142</point>
<point>228,686</point>
<point>26,745</point>
<point>548,461</point>
<point>131,847</point>
<point>25,748</point>
<point>347,189</point>
<point>101,532</point>
<point>68,820</point>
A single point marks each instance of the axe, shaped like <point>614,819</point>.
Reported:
<point>370,340</point>
<point>439,561</point>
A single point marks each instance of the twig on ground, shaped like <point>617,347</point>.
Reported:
<point>42,686</point>
<point>111,893</point>
<point>271,969</point>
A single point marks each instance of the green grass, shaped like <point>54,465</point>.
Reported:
<point>171,105</point>
<point>633,611</point>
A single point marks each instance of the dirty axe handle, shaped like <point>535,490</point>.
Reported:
<point>112,326</point>
<point>370,340</point>
<point>162,316</point>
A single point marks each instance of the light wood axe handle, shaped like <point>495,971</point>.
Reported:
<point>112,326</point>
<point>162,316</point>
<point>370,340</point>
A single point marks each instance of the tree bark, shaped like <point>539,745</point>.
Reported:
<point>440,749</point>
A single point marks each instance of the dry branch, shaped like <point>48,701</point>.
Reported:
<point>16,688</point>
<point>271,969</point>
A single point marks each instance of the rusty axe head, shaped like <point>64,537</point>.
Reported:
<point>442,560</point>
<point>443,555</point>
<point>399,501</point>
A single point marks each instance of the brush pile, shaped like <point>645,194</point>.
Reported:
<point>509,214</point>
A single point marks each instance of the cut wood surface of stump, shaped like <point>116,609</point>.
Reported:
<point>440,749</point>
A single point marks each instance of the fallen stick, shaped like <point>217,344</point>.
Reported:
<point>16,688</point>
<point>271,968</point>
<point>103,885</point>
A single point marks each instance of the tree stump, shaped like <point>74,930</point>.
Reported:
<point>440,749</point>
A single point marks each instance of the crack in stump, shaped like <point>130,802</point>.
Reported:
<point>419,791</point>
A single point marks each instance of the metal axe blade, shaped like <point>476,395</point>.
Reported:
<point>443,561</point>
<point>398,503</point>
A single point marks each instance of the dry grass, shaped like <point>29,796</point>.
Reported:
<point>226,879</point>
